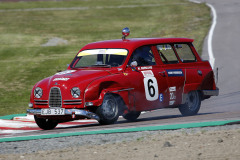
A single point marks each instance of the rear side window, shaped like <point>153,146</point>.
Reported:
<point>167,54</point>
<point>185,53</point>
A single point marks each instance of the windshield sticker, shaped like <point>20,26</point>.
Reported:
<point>65,72</point>
<point>164,47</point>
<point>61,79</point>
<point>148,73</point>
<point>122,52</point>
<point>175,73</point>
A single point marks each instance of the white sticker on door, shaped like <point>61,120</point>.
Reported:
<point>147,73</point>
<point>151,88</point>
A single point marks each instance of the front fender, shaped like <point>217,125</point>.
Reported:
<point>96,90</point>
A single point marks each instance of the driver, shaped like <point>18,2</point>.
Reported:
<point>143,56</point>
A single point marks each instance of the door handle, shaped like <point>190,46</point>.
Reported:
<point>162,73</point>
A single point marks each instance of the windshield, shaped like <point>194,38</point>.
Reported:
<point>100,58</point>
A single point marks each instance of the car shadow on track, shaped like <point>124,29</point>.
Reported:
<point>166,117</point>
<point>153,120</point>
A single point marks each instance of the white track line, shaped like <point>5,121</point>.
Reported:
<point>210,35</point>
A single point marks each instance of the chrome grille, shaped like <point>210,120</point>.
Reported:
<point>55,97</point>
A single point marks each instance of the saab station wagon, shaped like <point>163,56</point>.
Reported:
<point>124,77</point>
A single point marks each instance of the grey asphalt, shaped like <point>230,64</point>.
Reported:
<point>227,54</point>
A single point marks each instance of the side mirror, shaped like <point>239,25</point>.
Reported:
<point>133,64</point>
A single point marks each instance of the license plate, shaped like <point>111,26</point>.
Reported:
<point>53,111</point>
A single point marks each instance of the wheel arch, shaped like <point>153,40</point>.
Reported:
<point>96,91</point>
<point>191,87</point>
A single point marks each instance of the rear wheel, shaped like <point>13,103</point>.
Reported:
<point>109,110</point>
<point>45,124</point>
<point>192,104</point>
<point>132,116</point>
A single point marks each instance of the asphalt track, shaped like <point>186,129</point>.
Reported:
<point>224,107</point>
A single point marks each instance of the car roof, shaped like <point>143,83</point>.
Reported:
<point>134,42</point>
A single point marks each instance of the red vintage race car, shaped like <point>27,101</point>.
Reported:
<point>124,77</point>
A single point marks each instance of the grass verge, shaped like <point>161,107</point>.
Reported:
<point>24,29</point>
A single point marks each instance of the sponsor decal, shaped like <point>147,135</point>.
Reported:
<point>172,96</point>
<point>175,73</point>
<point>171,102</point>
<point>61,79</point>
<point>142,68</point>
<point>65,72</point>
<point>125,74</point>
<point>161,97</point>
<point>172,89</point>
<point>147,73</point>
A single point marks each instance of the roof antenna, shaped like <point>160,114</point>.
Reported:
<point>125,33</point>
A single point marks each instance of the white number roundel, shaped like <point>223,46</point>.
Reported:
<point>151,88</point>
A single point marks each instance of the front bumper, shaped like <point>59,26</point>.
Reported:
<point>77,112</point>
<point>211,92</point>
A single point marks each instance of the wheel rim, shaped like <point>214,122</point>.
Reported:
<point>110,109</point>
<point>192,101</point>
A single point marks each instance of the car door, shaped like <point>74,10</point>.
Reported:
<point>150,86</point>
<point>175,74</point>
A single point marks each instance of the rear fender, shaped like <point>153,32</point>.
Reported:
<point>208,82</point>
<point>191,87</point>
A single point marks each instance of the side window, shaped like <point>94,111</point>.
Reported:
<point>143,56</point>
<point>167,54</point>
<point>185,53</point>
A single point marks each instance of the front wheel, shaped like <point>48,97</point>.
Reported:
<point>45,124</point>
<point>109,110</point>
<point>192,104</point>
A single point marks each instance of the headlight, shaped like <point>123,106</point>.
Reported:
<point>38,92</point>
<point>75,91</point>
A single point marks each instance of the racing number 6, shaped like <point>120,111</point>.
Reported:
<point>151,88</point>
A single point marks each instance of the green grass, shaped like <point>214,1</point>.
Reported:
<point>23,61</point>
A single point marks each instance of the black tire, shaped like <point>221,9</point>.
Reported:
<point>45,124</point>
<point>192,104</point>
<point>109,110</point>
<point>132,116</point>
